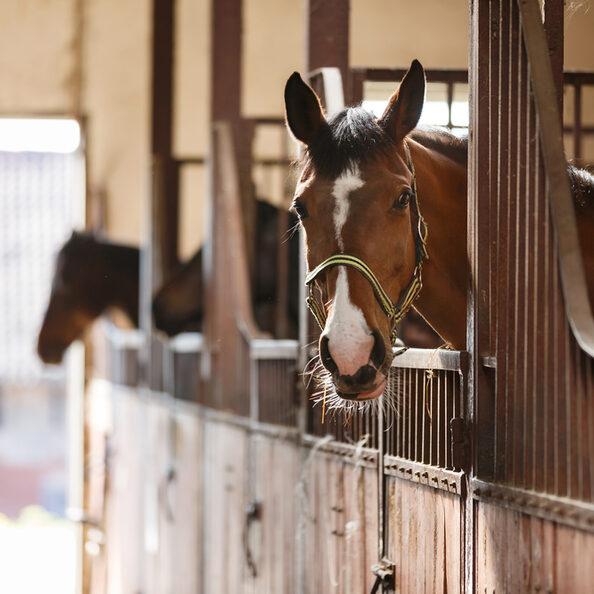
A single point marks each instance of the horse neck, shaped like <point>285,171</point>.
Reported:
<point>121,266</point>
<point>441,184</point>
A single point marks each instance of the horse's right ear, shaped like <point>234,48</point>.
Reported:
<point>302,109</point>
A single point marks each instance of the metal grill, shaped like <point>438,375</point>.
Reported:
<point>418,427</point>
<point>535,412</point>
<point>273,373</point>
<point>344,426</point>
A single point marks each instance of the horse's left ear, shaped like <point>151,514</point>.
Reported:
<point>303,110</point>
<point>406,104</point>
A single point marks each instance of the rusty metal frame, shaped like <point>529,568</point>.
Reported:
<point>432,476</point>
<point>562,510</point>
<point>572,272</point>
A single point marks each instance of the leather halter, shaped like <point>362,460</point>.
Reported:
<point>395,312</point>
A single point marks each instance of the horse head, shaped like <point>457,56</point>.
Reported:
<point>73,302</point>
<point>365,237</point>
<point>90,276</point>
<point>178,305</point>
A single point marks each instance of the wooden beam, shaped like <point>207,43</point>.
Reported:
<point>327,34</point>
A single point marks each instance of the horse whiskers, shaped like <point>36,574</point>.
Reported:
<point>325,392</point>
<point>290,232</point>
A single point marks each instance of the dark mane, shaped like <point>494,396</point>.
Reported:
<point>444,142</point>
<point>354,136</point>
<point>582,186</point>
<point>351,136</point>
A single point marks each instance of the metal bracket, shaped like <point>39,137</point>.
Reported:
<point>459,441</point>
<point>253,512</point>
<point>384,572</point>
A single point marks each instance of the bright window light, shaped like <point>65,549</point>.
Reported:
<point>460,116</point>
<point>39,135</point>
<point>435,113</point>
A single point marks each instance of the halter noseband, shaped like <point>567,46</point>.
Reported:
<point>395,312</point>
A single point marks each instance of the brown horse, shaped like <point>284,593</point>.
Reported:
<point>179,304</point>
<point>363,184</point>
<point>90,276</point>
<point>379,201</point>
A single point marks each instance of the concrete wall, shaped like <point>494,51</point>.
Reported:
<point>116,103</point>
<point>38,61</point>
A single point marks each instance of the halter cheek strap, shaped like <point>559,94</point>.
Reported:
<point>394,312</point>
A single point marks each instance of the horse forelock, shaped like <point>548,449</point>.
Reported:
<point>349,139</point>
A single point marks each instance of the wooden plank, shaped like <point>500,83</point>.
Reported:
<point>327,34</point>
<point>186,543</point>
<point>224,499</point>
<point>340,523</point>
<point>98,428</point>
<point>424,537</point>
<point>542,569</point>
<point>157,517</point>
<point>521,553</point>
<point>124,517</point>
<point>272,537</point>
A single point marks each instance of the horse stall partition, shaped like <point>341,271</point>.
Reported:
<point>533,421</point>
<point>474,472</point>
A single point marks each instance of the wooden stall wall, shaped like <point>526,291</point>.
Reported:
<point>338,523</point>
<point>517,552</point>
<point>426,537</point>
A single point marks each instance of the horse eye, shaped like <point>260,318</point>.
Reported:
<point>402,200</point>
<point>300,210</point>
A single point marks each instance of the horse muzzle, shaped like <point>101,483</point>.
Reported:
<point>366,382</point>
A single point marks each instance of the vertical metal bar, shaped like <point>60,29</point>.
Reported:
<point>450,100</point>
<point>578,397</point>
<point>418,418</point>
<point>438,458</point>
<point>589,406</point>
<point>577,122</point>
<point>162,130</point>
<point>424,417</point>
<point>409,433</point>
<point>482,323</point>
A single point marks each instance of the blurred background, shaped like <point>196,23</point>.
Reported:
<point>78,112</point>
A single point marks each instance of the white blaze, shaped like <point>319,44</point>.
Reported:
<point>344,184</point>
<point>350,340</point>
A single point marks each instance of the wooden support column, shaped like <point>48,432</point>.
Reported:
<point>226,61</point>
<point>327,33</point>
<point>227,19</point>
<point>159,249</point>
<point>165,191</point>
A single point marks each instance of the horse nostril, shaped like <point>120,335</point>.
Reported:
<point>325,356</point>
<point>378,352</point>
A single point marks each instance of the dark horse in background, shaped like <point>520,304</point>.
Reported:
<point>179,304</point>
<point>90,277</point>
<point>375,198</point>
